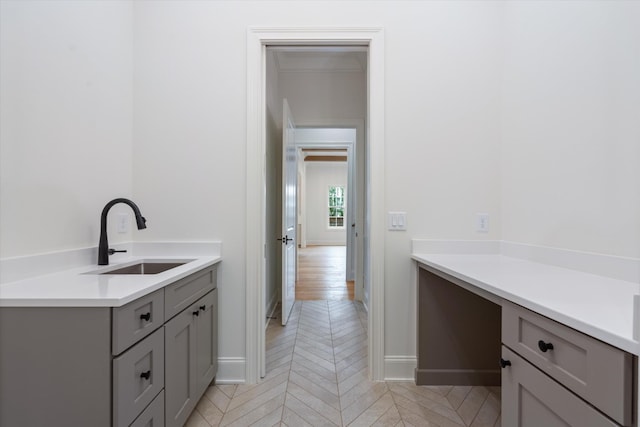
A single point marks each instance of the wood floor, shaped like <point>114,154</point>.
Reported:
<point>317,376</point>
<point>321,274</point>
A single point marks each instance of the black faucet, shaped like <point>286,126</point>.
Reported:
<point>103,247</point>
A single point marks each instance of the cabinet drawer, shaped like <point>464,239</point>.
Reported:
<point>599,373</point>
<point>138,377</point>
<point>532,399</point>
<point>184,292</point>
<point>153,416</point>
<point>136,320</point>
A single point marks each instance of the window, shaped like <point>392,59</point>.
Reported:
<point>336,207</point>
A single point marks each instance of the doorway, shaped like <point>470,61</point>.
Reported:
<point>373,227</point>
<point>330,213</point>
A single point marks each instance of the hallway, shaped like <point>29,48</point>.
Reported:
<point>317,375</point>
<point>321,274</point>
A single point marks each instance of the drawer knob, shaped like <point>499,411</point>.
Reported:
<point>196,313</point>
<point>146,316</point>
<point>203,307</point>
<point>504,363</point>
<point>145,375</point>
<point>544,346</point>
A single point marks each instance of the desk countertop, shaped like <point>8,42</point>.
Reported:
<point>598,306</point>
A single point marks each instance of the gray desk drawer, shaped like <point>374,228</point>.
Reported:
<point>530,398</point>
<point>599,373</point>
<point>136,320</point>
<point>184,292</point>
<point>138,377</point>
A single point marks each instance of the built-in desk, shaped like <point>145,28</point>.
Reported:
<point>560,341</point>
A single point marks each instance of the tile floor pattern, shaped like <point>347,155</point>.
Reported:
<point>317,376</point>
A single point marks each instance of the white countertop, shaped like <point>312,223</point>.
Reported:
<point>75,288</point>
<point>599,306</point>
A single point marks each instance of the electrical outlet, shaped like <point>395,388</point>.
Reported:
<point>482,222</point>
<point>122,223</point>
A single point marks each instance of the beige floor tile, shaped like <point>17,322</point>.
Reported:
<point>307,413</point>
<point>472,404</point>
<point>374,412</point>
<point>488,413</point>
<point>328,411</point>
<point>391,418</point>
<point>317,376</point>
<point>196,420</point>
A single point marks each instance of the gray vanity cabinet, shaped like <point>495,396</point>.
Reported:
<point>206,341</point>
<point>126,366</point>
<point>191,357</point>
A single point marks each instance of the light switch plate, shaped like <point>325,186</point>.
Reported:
<point>397,221</point>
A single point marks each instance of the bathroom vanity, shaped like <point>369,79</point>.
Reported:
<point>108,349</point>
<point>559,341</point>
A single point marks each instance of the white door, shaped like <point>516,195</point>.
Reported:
<point>289,210</point>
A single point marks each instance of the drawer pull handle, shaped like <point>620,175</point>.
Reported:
<point>203,307</point>
<point>196,313</point>
<point>504,363</point>
<point>145,375</point>
<point>146,316</point>
<point>544,346</point>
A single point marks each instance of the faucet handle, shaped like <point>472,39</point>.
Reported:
<point>113,251</point>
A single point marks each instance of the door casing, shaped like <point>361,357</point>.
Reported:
<point>374,231</point>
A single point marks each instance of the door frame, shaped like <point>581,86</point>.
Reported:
<point>257,41</point>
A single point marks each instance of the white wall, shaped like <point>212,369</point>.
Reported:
<point>571,126</point>
<point>318,177</point>
<point>478,95</point>
<point>66,115</point>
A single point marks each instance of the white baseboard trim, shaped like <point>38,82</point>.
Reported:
<point>231,370</point>
<point>400,368</point>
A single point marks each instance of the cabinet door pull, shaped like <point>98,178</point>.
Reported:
<point>146,316</point>
<point>203,307</point>
<point>145,375</point>
<point>196,313</point>
<point>544,346</point>
<point>504,363</point>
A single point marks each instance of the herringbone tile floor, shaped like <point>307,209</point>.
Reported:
<point>317,376</point>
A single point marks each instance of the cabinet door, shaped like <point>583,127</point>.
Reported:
<point>532,399</point>
<point>206,341</point>
<point>180,381</point>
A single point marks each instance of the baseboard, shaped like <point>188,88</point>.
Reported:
<point>489,377</point>
<point>399,368</point>
<point>231,370</point>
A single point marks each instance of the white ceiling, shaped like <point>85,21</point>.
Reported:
<point>320,59</point>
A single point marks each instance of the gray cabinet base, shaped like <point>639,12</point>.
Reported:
<point>458,334</point>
